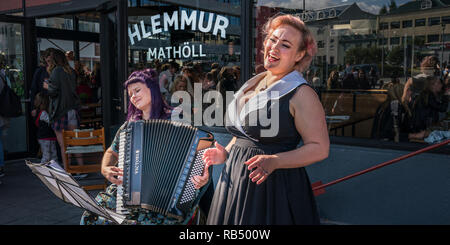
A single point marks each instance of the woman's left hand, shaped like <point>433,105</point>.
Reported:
<point>264,164</point>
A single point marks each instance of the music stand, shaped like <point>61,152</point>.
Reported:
<point>66,188</point>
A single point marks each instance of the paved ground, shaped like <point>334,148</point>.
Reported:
<point>25,200</point>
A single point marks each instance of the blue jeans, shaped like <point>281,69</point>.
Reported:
<point>2,159</point>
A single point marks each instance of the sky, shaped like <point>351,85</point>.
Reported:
<point>371,6</point>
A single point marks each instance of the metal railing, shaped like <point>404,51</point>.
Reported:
<point>319,188</point>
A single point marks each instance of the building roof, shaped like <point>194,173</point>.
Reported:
<point>417,5</point>
<point>342,12</point>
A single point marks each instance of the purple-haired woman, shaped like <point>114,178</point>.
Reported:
<point>145,103</point>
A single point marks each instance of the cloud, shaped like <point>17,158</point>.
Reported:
<point>371,8</point>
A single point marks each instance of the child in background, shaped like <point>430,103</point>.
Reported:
<point>45,134</point>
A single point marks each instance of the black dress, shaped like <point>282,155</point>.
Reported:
<point>285,197</point>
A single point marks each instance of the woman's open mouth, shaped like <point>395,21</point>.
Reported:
<point>273,58</point>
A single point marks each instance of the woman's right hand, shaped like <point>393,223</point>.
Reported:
<point>113,174</point>
<point>214,156</point>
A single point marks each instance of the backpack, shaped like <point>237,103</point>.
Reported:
<point>10,105</point>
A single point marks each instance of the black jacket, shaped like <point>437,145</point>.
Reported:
<point>62,92</point>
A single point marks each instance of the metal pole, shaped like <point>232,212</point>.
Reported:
<point>412,54</point>
<point>382,57</point>
<point>326,57</point>
<point>442,48</point>
<point>24,8</point>
<point>76,43</point>
<point>246,48</point>
<point>404,56</point>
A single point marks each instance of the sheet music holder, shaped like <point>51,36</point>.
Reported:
<point>66,188</point>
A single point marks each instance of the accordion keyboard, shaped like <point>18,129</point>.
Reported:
<point>120,207</point>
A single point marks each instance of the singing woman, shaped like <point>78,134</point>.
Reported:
<point>264,181</point>
<point>146,103</point>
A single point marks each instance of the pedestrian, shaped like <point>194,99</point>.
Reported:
<point>145,103</point>
<point>362,82</point>
<point>264,181</point>
<point>45,134</point>
<point>39,76</point>
<point>64,101</point>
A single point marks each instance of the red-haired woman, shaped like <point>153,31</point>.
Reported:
<point>264,180</point>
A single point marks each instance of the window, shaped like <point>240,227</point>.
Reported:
<point>395,40</point>
<point>89,26</point>
<point>395,25</point>
<point>407,23</point>
<point>446,20</point>
<point>11,68</point>
<point>384,26</point>
<point>426,4</point>
<point>419,40</point>
<point>434,21</point>
<point>420,22</point>
<point>351,107</point>
<point>433,38</point>
<point>195,40</point>
<point>446,37</point>
<point>185,34</point>
<point>408,40</point>
<point>55,22</point>
<point>320,44</point>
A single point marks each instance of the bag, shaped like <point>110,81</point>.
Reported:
<point>10,105</point>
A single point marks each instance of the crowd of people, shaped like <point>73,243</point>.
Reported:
<point>174,77</point>
<point>59,87</point>
<point>411,108</point>
<point>208,76</point>
<point>353,77</point>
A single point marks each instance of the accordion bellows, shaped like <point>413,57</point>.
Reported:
<point>159,158</point>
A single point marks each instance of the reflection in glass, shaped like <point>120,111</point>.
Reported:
<point>366,59</point>
<point>12,56</point>
<point>11,69</point>
<point>163,32</point>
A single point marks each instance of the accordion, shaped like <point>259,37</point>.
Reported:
<point>159,158</point>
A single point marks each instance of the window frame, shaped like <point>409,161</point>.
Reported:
<point>421,19</point>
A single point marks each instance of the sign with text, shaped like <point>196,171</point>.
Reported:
<point>178,20</point>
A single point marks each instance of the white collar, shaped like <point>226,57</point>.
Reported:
<point>274,92</point>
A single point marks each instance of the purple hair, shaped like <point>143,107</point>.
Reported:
<point>159,108</point>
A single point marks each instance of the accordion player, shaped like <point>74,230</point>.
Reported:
<point>159,158</point>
